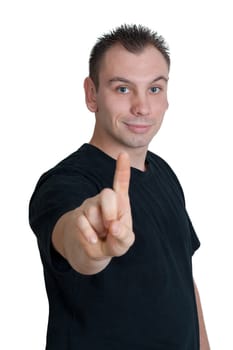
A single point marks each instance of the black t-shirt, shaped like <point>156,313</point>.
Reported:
<point>143,299</point>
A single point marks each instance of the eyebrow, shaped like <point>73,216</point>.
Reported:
<point>124,80</point>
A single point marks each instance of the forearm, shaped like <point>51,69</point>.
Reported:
<point>65,240</point>
<point>204,342</point>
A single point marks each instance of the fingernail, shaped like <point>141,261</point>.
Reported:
<point>93,240</point>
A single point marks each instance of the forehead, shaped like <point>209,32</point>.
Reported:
<point>118,61</point>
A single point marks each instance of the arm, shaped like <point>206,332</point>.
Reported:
<point>89,236</point>
<point>204,343</point>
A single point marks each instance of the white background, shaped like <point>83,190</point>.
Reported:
<point>44,53</point>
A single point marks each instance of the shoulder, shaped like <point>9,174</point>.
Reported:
<point>157,162</point>
<point>66,185</point>
<point>164,171</point>
<point>84,168</point>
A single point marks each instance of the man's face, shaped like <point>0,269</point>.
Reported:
<point>131,99</point>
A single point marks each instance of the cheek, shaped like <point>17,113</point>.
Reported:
<point>106,104</point>
<point>114,108</point>
<point>162,106</point>
<point>166,104</point>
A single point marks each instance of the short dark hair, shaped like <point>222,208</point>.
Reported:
<point>133,38</point>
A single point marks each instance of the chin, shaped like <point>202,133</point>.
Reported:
<point>137,142</point>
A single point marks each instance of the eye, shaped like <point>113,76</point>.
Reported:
<point>155,89</point>
<point>123,89</point>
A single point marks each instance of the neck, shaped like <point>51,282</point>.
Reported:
<point>137,155</point>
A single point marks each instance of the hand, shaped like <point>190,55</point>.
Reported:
<point>104,222</point>
<point>101,228</point>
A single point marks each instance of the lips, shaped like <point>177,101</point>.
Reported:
<point>138,128</point>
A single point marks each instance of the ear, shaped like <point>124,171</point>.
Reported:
<point>90,94</point>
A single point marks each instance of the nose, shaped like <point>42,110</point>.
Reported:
<point>140,105</point>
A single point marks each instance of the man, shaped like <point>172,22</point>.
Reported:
<point>114,236</point>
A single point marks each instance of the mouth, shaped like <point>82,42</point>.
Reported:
<point>138,128</point>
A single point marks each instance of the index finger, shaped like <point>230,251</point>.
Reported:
<point>122,174</point>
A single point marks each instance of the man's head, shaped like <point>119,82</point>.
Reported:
<point>133,38</point>
<point>127,89</point>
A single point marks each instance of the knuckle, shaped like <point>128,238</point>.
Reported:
<point>90,252</point>
<point>85,203</point>
<point>79,220</point>
<point>132,239</point>
<point>129,239</point>
<point>106,192</point>
<point>90,210</point>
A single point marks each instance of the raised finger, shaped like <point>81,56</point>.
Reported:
<point>122,174</point>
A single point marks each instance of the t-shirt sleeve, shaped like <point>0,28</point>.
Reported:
<point>55,194</point>
<point>195,243</point>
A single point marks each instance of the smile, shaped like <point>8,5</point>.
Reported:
<point>138,128</point>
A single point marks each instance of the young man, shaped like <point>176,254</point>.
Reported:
<point>114,236</point>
